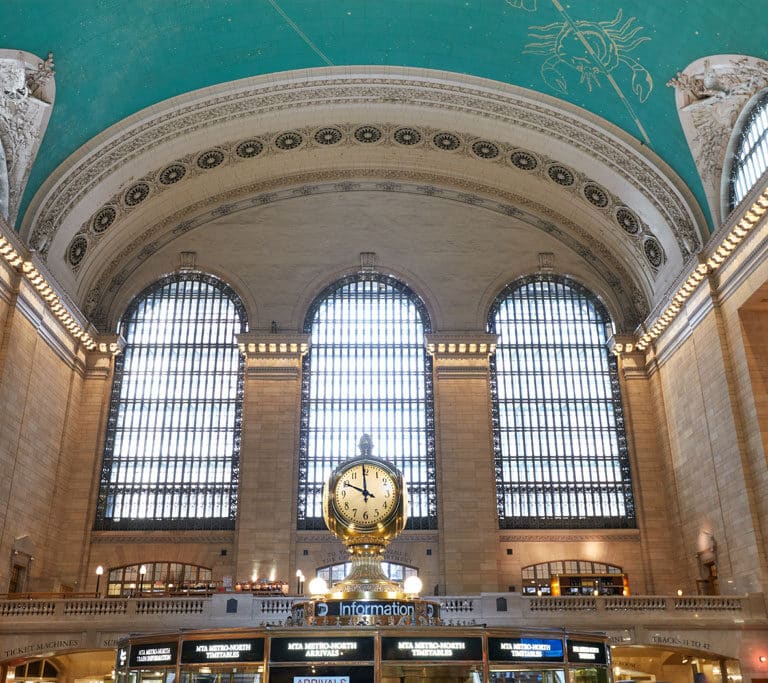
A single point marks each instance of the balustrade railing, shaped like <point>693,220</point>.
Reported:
<point>244,609</point>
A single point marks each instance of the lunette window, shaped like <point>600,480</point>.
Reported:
<point>172,448</point>
<point>751,157</point>
<point>561,452</point>
<point>367,372</point>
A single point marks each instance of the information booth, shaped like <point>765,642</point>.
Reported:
<point>365,655</point>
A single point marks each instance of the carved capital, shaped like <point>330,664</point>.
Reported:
<point>461,355</point>
<point>273,355</point>
<point>98,361</point>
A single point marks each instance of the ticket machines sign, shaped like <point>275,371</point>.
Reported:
<point>525,649</point>
<point>587,652</point>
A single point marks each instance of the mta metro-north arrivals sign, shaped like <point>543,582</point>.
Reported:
<point>321,649</point>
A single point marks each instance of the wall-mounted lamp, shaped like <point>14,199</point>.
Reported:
<point>679,592</point>
<point>142,574</point>
<point>299,582</point>
<point>762,659</point>
<point>99,572</point>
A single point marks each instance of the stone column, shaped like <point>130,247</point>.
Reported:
<point>269,454</point>
<point>652,482</point>
<point>79,472</point>
<point>465,461</point>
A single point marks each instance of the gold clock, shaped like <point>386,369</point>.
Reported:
<point>365,493</point>
<point>365,500</point>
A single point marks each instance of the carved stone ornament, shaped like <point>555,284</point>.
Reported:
<point>26,96</point>
<point>710,94</point>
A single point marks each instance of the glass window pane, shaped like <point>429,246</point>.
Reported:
<point>750,161</point>
<point>172,445</point>
<point>561,453</point>
<point>367,372</point>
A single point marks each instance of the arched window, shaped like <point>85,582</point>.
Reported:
<point>750,158</point>
<point>159,577</point>
<point>561,451</point>
<point>171,456</point>
<point>367,371</point>
<point>394,571</point>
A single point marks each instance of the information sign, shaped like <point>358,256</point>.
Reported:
<point>321,649</point>
<point>525,649</point>
<point>456,649</point>
<point>230,650</point>
<point>587,652</point>
<point>153,654</point>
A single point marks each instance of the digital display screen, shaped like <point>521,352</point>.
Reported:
<point>321,649</point>
<point>525,649</point>
<point>154,654</point>
<point>586,652</point>
<point>234,650</point>
<point>424,649</point>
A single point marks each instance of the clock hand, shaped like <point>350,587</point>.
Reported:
<point>357,488</point>
<point>366,492</point>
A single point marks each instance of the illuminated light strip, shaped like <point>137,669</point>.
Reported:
<point>752,216</point>
<point>52,301</point>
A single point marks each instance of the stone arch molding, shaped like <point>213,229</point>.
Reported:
<point>327,129</point>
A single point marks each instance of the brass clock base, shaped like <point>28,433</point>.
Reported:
<point>366,579</point>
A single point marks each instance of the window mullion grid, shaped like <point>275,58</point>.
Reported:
<point>370,333</point>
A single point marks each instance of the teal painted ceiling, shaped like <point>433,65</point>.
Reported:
<point>114,58</point>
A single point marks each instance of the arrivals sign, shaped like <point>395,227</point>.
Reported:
<point>153,654</point>
<point>321,649</point>
<point>586,652</point>
<point>234,650</point>
<point>525,649</point>
<point>425,649</point>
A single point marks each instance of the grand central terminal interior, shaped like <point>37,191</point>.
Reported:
<point>383,341</point>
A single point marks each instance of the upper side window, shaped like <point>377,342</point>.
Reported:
<point>560,447</point>
<point>750,158</point>
<point>367,372</point>
<point>172,449</point>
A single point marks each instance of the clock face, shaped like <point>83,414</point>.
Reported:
<point>365,494</point>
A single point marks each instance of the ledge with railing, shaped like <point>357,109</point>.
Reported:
<point>35,611</point>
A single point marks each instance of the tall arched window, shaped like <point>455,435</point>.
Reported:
<point>750,159</point>
<point>561,451</point>
<point>172,450</point>
<point>367,371</point>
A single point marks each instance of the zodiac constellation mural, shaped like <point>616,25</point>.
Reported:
<point>592,49</point>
